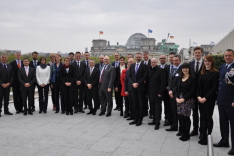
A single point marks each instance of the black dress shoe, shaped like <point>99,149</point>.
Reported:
<point>17,112</point>
<point>194,133</point>
<point>63,112</point>
<point>76,111</point>
<point>56,111</point>
<point>221,145</point>
<point>172,129</point>
<point>231,152</point>
<point>116,108</point>
<point>30,113</point>
<point>203,141</point>
<point>179,134</point>
<point>71,113</point>
<point>45,111</point>
<point>67,113</point>
<point>94,113</point>
<point>133,122</point>
<point>33,109</point>
<point>121,113</point>
<point>108,114</point>
<point>151,116</point>
<point>8,113</point>
<point>151,123</point>
<point>166,121</point>
<point>40,112</point>
<point>89,113</point>
<point>156,127</point>
<point>82,111</point>
<point>125,116</point>
<point>131,118</point>
<point>25,113</point>
<point>139,123</point>
<point>101,114</point>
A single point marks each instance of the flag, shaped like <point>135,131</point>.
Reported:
<point>194,43</point>
<point>171,37</point>
<point>212,43</point>
<point>101,32</point>
<point>150,31</point>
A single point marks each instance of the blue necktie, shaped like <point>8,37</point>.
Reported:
<point>35,65</point>
<point>136,71</point>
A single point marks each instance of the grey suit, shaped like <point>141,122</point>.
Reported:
<point>107,79</point>
<point>27,92</point>
<point>5,77</point>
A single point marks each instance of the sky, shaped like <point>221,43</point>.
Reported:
<point>71,25</point>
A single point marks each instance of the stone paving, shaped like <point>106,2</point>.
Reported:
<point>87,135</point>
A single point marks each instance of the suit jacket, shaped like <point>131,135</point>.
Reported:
<point>149,63</point>
<point>108,78</point>
<point>97,65</point>
<point>210,88</point>
<point>113,63</point>
<point>93,79</point>
<point>127,87</point>
<point>226,91</point>
<point>23,78</point>
<point>167,70</point>
<point>139,78</point>
<point>172,82</point>
<point>67,77</point>
<point>32,65</point>
<point>6,78</point>
<point>85,64</point>
<point>79,72</point>
<point>156,83</point>
<point>117,79</point>
<point>16,69</point>
<point>189,89</point>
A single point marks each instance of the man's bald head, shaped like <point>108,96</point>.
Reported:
<point>131,61</point>
<point>106,60</point>
<point>154,62</point>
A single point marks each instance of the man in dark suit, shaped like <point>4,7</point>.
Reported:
<point>225,101</point>
<point>71,56</point>
<point>172,84</point>
<point>106,84</point>
<point>91,79</point>
<point>116,65</point>
<point>6,79</point>
<point>165,97</point>
<point>99,66</point>
<point>146,61</point>
<point>17,97</point>
<point>156,84</point>
<point>79,80</point>
<point>86,61</point>
<point>27,78</point>
<point>136,76</point>
<point>33,64</point>
<point>196,67</point>
<point>127,90</point>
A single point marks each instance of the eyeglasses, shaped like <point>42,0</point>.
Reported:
<point>162,58</point>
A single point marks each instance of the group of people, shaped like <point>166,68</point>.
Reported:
<point>141,87</point>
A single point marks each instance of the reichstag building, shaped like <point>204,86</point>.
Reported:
<point>136,43</point>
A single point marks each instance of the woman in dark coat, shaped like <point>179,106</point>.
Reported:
<point>206,95</point>
<point>67,75</point>
<point>184,92</point>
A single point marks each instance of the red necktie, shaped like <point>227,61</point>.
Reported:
<point>102,74</point>
<point>18,64</point>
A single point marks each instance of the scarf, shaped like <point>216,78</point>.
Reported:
<point>66,66</point>
<point>43,66</point>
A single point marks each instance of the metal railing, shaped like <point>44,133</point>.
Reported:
<point>210,149</point>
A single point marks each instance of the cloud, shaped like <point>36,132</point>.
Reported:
<point>56,25</point>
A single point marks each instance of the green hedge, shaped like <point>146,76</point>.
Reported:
<point>219,60</point>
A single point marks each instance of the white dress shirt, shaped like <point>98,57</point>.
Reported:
<point>121,69</point>
<point>146,62</point>
<point>78,62</point>
<point>199,64</point>
<point>43,75</point>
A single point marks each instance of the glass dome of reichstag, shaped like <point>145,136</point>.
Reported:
<point>134,41</point>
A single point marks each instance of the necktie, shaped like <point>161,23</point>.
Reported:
<point>90,71</point>
<point>226,67</point>
<point>26,71</point>
<point>78,65</point>
<point>5,69</point>
<point>172,71</point>
<point>88,64</point>
<point>102,74</point>
<point>136,71</point>
<point>35,65</point>
<point>197,67</point>
<point>18,64</point>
